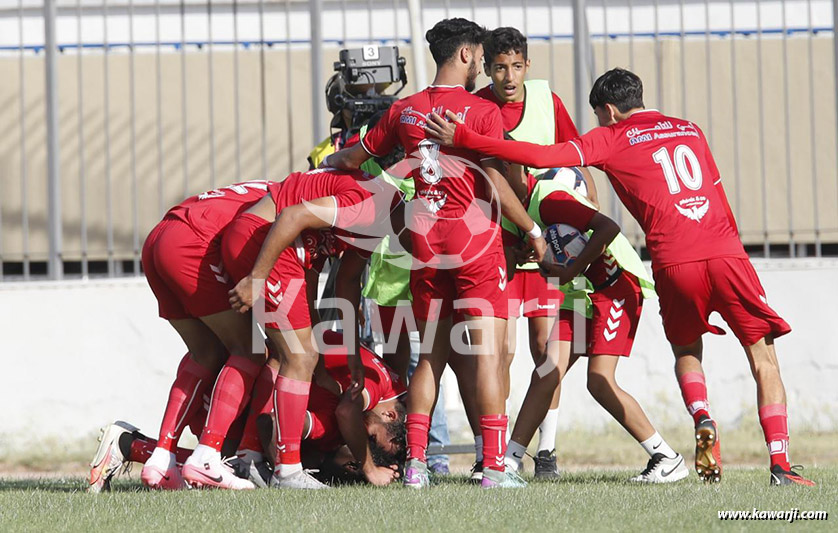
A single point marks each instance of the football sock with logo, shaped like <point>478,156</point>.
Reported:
<point>493,429</point>
<point>775,426</point>
<point>290,400</point>
<point>515,455</point>
<point>185,398</point>
<point>260,404</point>
<point>656,444</point>
<point>547,431</point>
<point>229,396</point>
<point>418,426</point>
<point>694,392</point>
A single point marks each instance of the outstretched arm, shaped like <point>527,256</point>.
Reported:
<point>293,220</point>
<point>347,159</point>
<point>348,287</point>
<point>455,133</point>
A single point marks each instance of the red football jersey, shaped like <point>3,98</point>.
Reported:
<point>447,185</point>
<point>512,112</point>
<point>363,203</point>
<point>662,170</point>
<point>210,212</point>
<point>380,382</point>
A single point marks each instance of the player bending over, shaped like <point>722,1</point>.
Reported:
<point>662,170</point>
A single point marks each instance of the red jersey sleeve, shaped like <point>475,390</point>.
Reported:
<point>382,138</point>
<point>565,128</point>
<point>595,147</point>
<point>523,153</point>
<point>561,208</point>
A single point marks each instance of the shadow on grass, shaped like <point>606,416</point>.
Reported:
<point>62,485</point>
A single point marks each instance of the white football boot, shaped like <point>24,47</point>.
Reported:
<point>109,459</point>
<point>663,469</point>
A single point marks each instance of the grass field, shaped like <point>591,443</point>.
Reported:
<point>591,496</point>
<point>587,500</point>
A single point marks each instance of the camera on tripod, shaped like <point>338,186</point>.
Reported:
<point>357,90</point>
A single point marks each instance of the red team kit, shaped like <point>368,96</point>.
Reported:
<point>275,428</point>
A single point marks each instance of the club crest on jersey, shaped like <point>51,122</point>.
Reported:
<point>694,207</point>
<point>433,200</point>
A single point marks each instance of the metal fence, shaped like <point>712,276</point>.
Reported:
<point>115,110</point>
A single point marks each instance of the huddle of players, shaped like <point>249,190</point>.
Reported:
<point>660,167</point>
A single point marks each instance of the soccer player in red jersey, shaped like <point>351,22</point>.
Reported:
<point>182,263</point>
<point>458,256</point>
<point>620,283</point>
<point>662,170</point>
<point>531,112</point>
<point>286,236</point>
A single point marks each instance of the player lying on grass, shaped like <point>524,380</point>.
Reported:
<point>620,283</point>
<point>183,266</point>
<point>371,426</point>
<point>662,170</point>
<point>370,423</point>
<point>284,240</point>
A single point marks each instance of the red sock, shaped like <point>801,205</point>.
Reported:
<point>694,392</point>
<point>418,426</point>
<point>260,404</point>
<point>141,450</point>
<point>775,426</point>
<point>185,398</point>
<point>493,430</point>
<point>290,401</point>
<point>230,395</point>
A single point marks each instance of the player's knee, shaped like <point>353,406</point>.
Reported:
<point>599,385</point>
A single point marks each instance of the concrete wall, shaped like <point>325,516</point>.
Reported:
<point>77,355</point>
<point>763,193</point>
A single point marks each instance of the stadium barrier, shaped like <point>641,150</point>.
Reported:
<point>84,353</point>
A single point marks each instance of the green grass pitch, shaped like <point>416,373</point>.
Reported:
<point>588,500</point>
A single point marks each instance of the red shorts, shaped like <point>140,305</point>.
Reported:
<point>482,281</point>
<point>285,302</point>
<point>185,271</point>
<point>539,296</point>
<point>385,316</point>
<point>615,315</point>
<point>689,292</point>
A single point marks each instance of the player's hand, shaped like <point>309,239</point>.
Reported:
<point>241,296</point>
<point>539,248</point>
<point>551,271</point>
<point>381,476</point>
<point>442,130</point>
<point>356,370</point>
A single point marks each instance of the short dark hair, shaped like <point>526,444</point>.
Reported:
<point>504,40</point>
<point>618,87</point>
<point>448,35</point>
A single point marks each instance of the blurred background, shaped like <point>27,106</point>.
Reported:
<point>112,111</point>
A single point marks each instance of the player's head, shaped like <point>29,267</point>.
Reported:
<point>615,94</point>
<point>386,427</point>
<point>458,43</point>
<point>506,62</point>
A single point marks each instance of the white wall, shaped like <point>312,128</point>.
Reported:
<point>76,355</point>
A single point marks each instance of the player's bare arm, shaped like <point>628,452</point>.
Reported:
<point>512,208</point>
<point>593,197</point>
<point>350,417</point>
<point>348,288</point>
<point>316,214</point>
<point>604,231</point>
<point>453,132</point>
<point>347,159</point>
